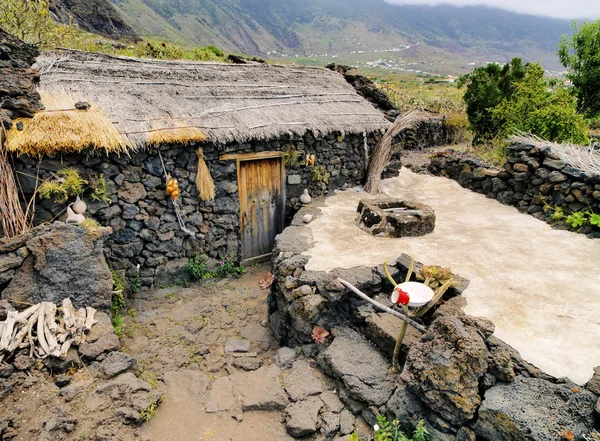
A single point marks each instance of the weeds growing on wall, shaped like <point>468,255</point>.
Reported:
<point>99,189</point>
<point>390,431</point>
<point>67,183</point>
<point>319,174</point>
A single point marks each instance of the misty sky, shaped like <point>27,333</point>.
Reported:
<point>589,9</point>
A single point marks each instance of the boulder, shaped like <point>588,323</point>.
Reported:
<point>64,262</point>
<point>362,368</point>
<point>445,367</point>
<point>535,409</point>
<point>116,363</point>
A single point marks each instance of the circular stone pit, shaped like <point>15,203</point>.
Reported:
<point>389,217</point>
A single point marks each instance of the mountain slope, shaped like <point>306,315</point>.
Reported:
<point>349,27</point>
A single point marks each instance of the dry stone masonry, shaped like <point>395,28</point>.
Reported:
<point>465,383</point>
<point>144,224</point>
<point>533,179</point>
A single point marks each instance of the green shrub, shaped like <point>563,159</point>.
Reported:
<point>227,267</point>
<point>196,266</point>
<point>390,431</point>
<point>319,174</point>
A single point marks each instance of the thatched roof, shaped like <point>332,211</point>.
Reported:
<point>226,102</point>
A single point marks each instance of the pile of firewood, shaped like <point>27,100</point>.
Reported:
<point>45,329</point>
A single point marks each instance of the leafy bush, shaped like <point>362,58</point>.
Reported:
<point>487,87</point>
<point>580,54</point>
<point>30,20</point>
<point>196,266</point>
<point>502,100</point>
<point>534,107</point>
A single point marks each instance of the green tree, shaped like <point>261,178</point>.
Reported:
<point>580,54</point>
<point>543,108</point>
<point>30,21</point>
<point>486,88</point>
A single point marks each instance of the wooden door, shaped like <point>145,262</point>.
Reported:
<point>262,205</point>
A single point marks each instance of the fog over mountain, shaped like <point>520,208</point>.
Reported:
<point>571,9</point>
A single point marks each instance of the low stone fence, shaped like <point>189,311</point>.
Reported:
<point>457,377</point>
<point>533,179</point>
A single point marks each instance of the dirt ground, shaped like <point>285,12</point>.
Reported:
<point>179,336</point>
<point>181,332</point>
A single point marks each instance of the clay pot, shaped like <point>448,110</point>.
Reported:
<point>305,198</point>
<point>73,218</point>
<point>79,206</point>
<point>307,218</point>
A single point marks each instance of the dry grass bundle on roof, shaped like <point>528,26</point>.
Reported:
<point>63,129</point>
<point>178,134</point>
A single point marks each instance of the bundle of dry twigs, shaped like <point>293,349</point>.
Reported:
<point>12,216</point>
<point>39,328</point>
<point>383,151</point>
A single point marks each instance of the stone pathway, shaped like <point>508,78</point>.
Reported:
<point>538,285</point>
<point>222,375</point>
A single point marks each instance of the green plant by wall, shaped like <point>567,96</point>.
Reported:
<point>100,189</point>
<point>291,157</point>
<point>390,431</point>
<point>319,174</point>
<point>227,267</point>
<point>118,302</point>
<point>196,266</point>
<point>67,183</point>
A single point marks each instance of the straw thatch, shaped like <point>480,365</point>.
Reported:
<point>383,151</point>
<point>63,128</point>
<point>584,158</point>
<point>173,135</point>
<point>204,181</point>
<point>224,101</point>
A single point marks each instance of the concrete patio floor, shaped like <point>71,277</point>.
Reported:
<point>541,287</point>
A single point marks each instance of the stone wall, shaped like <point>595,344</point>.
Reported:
<point>533,179</point>
<point>145,228</point>
<point>463,382</point>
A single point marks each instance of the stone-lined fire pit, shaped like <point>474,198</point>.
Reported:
<point>389,217</point>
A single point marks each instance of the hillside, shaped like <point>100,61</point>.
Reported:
<point>440,38</point>
<point>96,16</point>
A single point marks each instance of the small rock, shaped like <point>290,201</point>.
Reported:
<point>247,363</point>
<point>330,423</point>
<point>6,370</point>
<point>82,105</point>
<point>195,327</point>
<point>332,401</point>
<point>285,357</point>
<point>237,345</point>
<point>592,385</point>
<point>302,417</point>
<point>221,396</point>
<point>238,417</point>
<point>261,389</point>
<point>347,421</point>
<point>116,363</point>
<point>62,380</point>
<point>106,343</point>
<point>70,392</point>
<point>23,362</point>
<point>301,382</point>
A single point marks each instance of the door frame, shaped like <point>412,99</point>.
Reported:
<point>244,157</point>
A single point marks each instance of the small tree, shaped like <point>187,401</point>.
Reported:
<point>536,107</point>
<point>580,54</point>
<point>486,88</point>
<point>30,21</point>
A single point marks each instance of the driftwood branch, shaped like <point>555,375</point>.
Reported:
<point>384,308</point>
<point>45,329</point>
